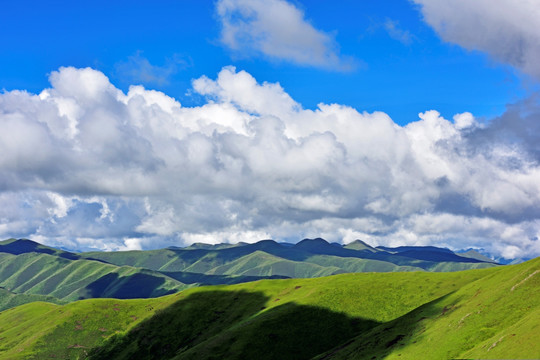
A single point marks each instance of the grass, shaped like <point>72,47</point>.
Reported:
<point>493,317</point>
<point>43,330</point>
<point>226,321</point>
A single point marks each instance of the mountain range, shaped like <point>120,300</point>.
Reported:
<point>34,270</point>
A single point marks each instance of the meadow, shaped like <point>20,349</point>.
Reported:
<point>485,313</point>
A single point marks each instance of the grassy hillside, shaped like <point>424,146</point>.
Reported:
<point>494,317</point>
<point>268,319</point>
<point>43,274</point>
<point>43,330</point>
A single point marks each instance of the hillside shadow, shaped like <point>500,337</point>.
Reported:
<point>97,288</point>
<point>390,337</point>
<point>23,246</point>
<point>204,279</point>
<point>138,285</point>
<point>230,325</point>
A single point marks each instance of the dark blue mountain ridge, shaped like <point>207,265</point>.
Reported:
<point>424,256</point>
<point>401,249</point>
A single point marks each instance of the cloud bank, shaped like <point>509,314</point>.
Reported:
<point>276,29</point>
<point>505,29</point>
<point>84,165</point>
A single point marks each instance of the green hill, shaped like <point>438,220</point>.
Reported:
<point>360,245</point>
<point>43,274</point>
<point>494,317</point>
<point>488,313</point>
<point>475,255</point>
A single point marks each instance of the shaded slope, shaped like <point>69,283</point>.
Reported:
<point>400,249</point>
<point>438,256</point>
<point>44,274</point>
<point>199,327</point>
<point>205,279</point>
<point>23,246</point>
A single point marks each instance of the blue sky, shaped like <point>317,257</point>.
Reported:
<point>139,125</point>
<point>401,66</point>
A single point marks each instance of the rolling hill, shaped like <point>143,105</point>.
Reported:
<point>35,272</point>
<point>486,313</point>
<point>308,258</point>
<point>29,268</point>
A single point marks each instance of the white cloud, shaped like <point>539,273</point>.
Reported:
<point>506,29</point>
<point>278,30</point>
<point>86,166</point>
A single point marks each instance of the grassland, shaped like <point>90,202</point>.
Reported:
<point>488,313</point>
<point>492,318</point>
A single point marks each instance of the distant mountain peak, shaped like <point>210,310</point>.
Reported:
<point>360,245</point>
<point>22,246</point>
<point>314,241</point>
<point>472,253</point>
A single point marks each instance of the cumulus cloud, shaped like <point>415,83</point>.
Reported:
<point>505,29</point>
<point>85,165</point>
<point>278,30</point>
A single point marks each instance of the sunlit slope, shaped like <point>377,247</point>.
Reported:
<point>495,317</point>
<point>280,317</point>
<point>260,263</point>
<point>42,330</point>
<point>44,274</point>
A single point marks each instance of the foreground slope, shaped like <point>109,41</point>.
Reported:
<point>494,317</point>
<point>272,319</point>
